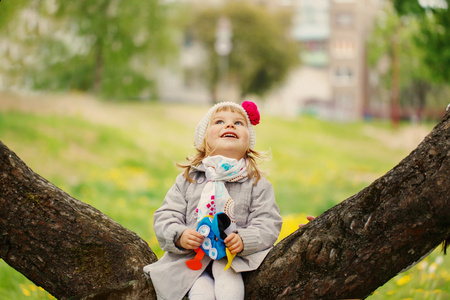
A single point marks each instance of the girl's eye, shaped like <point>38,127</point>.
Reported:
<point>219,122</point>
<point>238,123</point>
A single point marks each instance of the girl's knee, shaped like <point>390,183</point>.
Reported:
<point>218,270</point>
<point>203,288</point>
<point>228,284</point>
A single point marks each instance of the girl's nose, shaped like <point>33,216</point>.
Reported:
<point>231,125</point>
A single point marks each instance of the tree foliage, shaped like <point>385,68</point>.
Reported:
<point>262,52</point>
<point>433,35</point>
<point>395,40</point>
<point>109,47</point>
<point>8,10</point>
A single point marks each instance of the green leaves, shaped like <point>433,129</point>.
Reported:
<point>418,41</point>
<point>107,47</point>
<point>262,53</point>
<point>114,48</point>
<point>433,34</point>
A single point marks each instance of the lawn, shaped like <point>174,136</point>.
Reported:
<point>119,157</point>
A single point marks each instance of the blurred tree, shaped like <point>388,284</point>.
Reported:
<point>408,76</point>
<point>433,34</point>
<point>8,10</point>
<point>109,47</point>
<point>262,50</point>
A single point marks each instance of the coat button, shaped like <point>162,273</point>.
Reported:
<point>201,180</point>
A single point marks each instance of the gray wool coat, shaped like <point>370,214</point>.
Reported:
<point>258,223</point>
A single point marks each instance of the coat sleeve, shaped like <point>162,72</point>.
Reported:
<point>169,221</point>
<point>264,220</point>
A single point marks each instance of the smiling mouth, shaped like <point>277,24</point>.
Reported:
<point>229,135</point>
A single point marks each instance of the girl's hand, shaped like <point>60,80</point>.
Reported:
<point>234,243</point>
<point>190,239</point>
<point>309,218</point>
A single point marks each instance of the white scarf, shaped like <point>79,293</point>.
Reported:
<point>215,198</point>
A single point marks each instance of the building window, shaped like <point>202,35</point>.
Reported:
<point>344,104</point>
<point>315,46</point>
<point>344,19</point>
<point>343,76</point>
<point>315,53</point>
<point>344,49</point>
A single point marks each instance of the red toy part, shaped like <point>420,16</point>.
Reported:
<point>195,264</point>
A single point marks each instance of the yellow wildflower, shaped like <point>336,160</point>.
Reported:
<point>445,274</point>
<point>25,291</point>
<point>403,280</point>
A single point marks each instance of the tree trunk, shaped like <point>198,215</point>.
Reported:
<point>65,246</point>
<point>361,243</point>
<point>395,89</point>
<point>421,89</point>
<point>74,251</point>
<point>98,71</point>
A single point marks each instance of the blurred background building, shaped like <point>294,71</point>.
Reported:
<point>176,51</point>
<point>331,81</point>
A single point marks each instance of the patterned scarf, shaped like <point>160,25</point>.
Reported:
<point>215,198</point>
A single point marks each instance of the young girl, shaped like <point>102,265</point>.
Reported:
<point>222,177</point>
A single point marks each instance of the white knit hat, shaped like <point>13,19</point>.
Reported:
<point>247,109</point>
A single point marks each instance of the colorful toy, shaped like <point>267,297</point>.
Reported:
<point>213,229</point>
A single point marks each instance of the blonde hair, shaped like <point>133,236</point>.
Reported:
<point>251,156</point>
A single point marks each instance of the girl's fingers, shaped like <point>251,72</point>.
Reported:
<point>234,243</point>
<point>236,248</point>
<point>191,239</point>
<point>231,237</point>
<point>196,241</point>
<point>309,218</point>
<point>198,235</point>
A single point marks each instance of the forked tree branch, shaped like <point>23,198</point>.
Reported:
<point>74,251</point>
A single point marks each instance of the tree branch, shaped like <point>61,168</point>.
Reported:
<point>67,247</point>
<point>358,245</point>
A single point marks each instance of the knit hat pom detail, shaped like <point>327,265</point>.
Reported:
<point>252,112</point>
<point>248,109</point>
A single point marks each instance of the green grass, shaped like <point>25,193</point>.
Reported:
<point>119,157</point>
<point>430,279</point>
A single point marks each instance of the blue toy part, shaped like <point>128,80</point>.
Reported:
<point>213,229</point>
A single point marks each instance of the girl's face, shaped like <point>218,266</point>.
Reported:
<point>228,135</point>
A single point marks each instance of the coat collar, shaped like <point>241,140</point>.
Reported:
<point>199,168</point>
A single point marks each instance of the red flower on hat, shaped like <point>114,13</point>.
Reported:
<point>252,112</point>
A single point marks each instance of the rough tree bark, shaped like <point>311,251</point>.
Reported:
<point>74,251</point>
<point>67,247</point>
<point>361,243</point>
